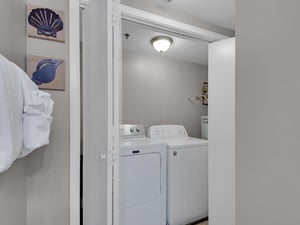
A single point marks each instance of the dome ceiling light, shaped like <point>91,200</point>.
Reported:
<point>161,43</point>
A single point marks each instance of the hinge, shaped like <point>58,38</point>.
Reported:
<point>114,156</point>
<point>114,16</point>
<point>114,153</point>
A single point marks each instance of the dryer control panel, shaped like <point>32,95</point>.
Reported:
<point>132,131</point>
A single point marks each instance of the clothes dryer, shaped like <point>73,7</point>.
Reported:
<point>142,178</point>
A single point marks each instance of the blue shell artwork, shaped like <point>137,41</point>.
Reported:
<point>46,21</point>
<point>45,71</point>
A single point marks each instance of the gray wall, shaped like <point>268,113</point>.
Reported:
<point>156,91</point>
<point>48,173</point>
<point>13,46</point>
<point>267,107</point>
<point>35,190</point>
<point>13,195</point>
<point>95,112</point>
<point>13,36</point>
<point>153,8</point>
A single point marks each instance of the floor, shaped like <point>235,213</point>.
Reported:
<point>202,223</point>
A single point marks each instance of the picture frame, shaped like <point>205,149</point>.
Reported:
<point>48,73</point>
<point>45,23</point>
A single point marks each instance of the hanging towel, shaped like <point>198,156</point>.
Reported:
<point>25,114</point>
<point>37,119</point>
<point>11,112</point>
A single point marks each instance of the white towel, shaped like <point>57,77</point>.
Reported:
<point>37,120</point>
<point>11,110</point>
<point>36,132</point>
<point>38,107</point>
<point>25,114</point>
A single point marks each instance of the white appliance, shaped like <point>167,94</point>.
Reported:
<point>204,127</point>
<point>187,173</point>
<point>142,178</point>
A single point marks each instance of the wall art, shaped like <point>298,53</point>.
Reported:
<point>45,23</point>
<point>47,73</point>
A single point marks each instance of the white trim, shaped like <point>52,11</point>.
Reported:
<point>74,71</point>
<point>170,25</point>
<point>110,110</point>
<point>117,68</point>
<point>149,19</point>
<point>114,58</point>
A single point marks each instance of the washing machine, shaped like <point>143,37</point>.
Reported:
<point>142,178</point>
<point>187,173</point>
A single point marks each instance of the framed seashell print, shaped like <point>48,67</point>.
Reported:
<point>47,73</point>
<point>45,23</point>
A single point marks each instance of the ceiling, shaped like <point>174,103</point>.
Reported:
<point>219,12</point>
<point>182,49</point>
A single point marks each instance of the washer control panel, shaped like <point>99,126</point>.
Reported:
<point>167,131</point>
<point>132,130</point>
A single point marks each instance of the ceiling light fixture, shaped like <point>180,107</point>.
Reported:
<point>161,43</point>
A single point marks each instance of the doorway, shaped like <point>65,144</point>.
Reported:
<point>157,24</point>
<point>102,133</point>
<point>164,88</point>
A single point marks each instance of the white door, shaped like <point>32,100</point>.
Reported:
<point>98,118</point>
<point>221,132</point>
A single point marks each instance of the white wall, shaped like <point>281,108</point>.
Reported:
<point>268,87</point>
<point>221,129</point>
<point>156,91</point>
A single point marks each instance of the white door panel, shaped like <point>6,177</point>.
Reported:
<point>221,129</point>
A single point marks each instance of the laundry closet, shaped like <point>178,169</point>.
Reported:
<point>164,98</point>
<point>164,95</point>
<point>162,87</point>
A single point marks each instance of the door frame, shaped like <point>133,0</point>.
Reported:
<point>118,13</point>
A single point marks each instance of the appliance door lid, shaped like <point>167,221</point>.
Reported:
<point>140,179</point>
